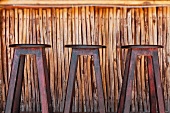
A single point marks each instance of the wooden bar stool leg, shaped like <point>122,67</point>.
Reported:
<point>152,91</point>
<point>46,106</point>
<point>158,82</point>
<point>99,81</point>
<point>128,94</point>
<point>124,86</point>
<point>17,98</point>
<point>13,85</point>
<point>70,85</point>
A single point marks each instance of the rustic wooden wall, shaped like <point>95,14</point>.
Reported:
<point>112,27</point>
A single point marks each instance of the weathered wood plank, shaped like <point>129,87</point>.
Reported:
<point>69,3</point>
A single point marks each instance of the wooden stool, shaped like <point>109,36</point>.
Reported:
<point>84,50</point>
<point>16,77</point>
<point>151,51</point>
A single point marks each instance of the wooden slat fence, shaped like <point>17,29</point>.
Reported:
<point>111,26</point>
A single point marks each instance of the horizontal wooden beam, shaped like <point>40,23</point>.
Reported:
<point>71,3</point>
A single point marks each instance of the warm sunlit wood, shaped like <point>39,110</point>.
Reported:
<point>70,3</point>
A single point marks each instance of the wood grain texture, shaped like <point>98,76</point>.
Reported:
<point>70,3</point>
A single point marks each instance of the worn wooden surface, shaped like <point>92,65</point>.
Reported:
<point>70,3</point>
<point>108,26</point>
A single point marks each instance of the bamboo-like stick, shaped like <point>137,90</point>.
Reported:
<point>40,16</point>
<point>16,26</point>
<point>10,38</point>
<point>66,59</point>
<point>50,51</point>
<point>133,24</point>
<point>111,57</point>
<point>92,23</point>
<point>45,37</point>
<point>100,38</point>
<point>37,26</point>
<point>103,68</point>
<point>118,44</point>
<point>91,10</point>
<point>89,42</point>
<point>150,24</point>
<point>11,35</point>
<point>44,26</point>
<point>137,18</point>
<point>55,57</point>
<point>122,40</point>
<point>114,43</point>
<point>129,27</point>
<point>7,42</point>
<point>121,28</point>
<point>28,61</point>
<point>160,51</point>
<point>143,58</point>
<point>44,30</point>
<point>168,50</point>
<point>62,57</point>
<point>124,37</point>
<point>107,59</point>
<point>20,26</point>
<point>23,97</point>
<point>146,25</point>
<point>35,73</point>
<point>136,93</point>
<point>33,28</point>
<point>96,25</point>
<point>78,15</point>
<point>69,41</point>
<point>164,28</point>
<point>159,39</point>
<point>88,24</point>
<point>133,37</point>
<point>69,31</point>
<point>125,26</point>
<point>130,42</point>
<point>59,86</point>
<point>36,40</point>
<point>31,61</point>
<point>139,80</point>
<point>4,56</point>
<point>83,59</point>
<point>73,25</point>
<point>24,26</point>
<point>27,24</point>
<point>94,86</point>
<point>96,41</point>
<point>26,96</point>
<point>76,98</point>
<point>142,26</point>
<point>90,79</point>
<point>86,71</point>
<point>65,11</point>
<point>83,13</point>
<point>77,41</point>
<point>54,47</point>
<point>154,20</point>
<point>2,90</point>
